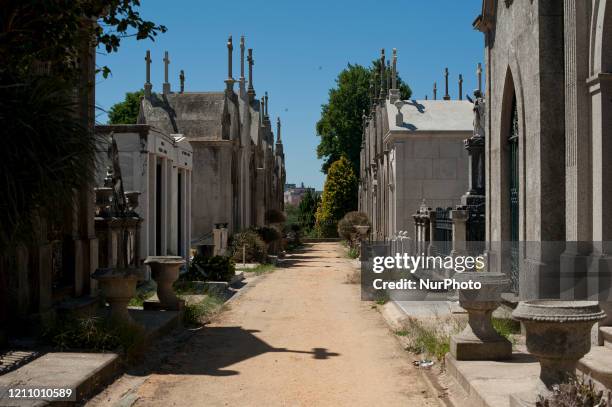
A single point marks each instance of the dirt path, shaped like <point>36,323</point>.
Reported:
<point>299,337</point>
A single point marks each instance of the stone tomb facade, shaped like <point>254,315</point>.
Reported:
<point>159,166</point>
<point>412,151</point>
<point>238,169</point>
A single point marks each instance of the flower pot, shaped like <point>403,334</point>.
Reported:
<point>479,340</point>
<point>118,287</point>
<point>558,334</point>
<point>165,271</point>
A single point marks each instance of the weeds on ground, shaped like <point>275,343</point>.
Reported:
<point>262,269</point>
<point>202,311</point>
<point>578,392</point>
<point>98,334</point>
<point>507,328</point>
<point>143,293</point>
<point>431,336</point>
<point>353,252</point>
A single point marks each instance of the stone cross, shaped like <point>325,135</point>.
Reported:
<point>394,71</point>
<point>182,80</point>
<point>166,89</point>
<point>435,91</point>
<point>242,59</point>
<point>382,74</point>
<point>479,73</point>
<point>251,91</point>
<point>446,95</point>
<point>460,87</point>
<point>148,86</point>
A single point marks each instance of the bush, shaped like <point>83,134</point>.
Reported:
<point>202,311</point>
<point>578,392</point>
<point>269,234</point>
<point>346,226</point>
<point>339,197</point>
<point>275,216</point>
<point>256,249</point>
<point>216,268</point>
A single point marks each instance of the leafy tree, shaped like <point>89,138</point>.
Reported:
<point>307,209</point>
<point>126,112</point>
<point>340,125</point>
<point>339,197</point>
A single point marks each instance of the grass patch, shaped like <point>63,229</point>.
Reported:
<point>507,328</point>
<point>97,334</point>
<point>261,269</point>
<point>401,333</point>
<point>143,293</point>
<point>353,252</point>
<point>203,311</point>
<point>432,336</point>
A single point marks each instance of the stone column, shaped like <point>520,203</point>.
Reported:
<point>446,95</point>
<point>459,218</point>
<point>475,147</point>
<point>166,87</point>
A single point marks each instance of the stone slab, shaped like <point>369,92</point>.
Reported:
<point>84,373</point>
<point>468,349</point>
<point>156,323</point>
<point>490,383</point>
<point>598,363</point>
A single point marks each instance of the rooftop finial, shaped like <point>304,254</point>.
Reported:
<point>166,88</point>
<point>251,91</point>
<point>266,105</point>
<point>382,74</point>
<point>278,130</point>
<point>435,91</point>
<point>460,87</point>
<point>230,79</point>
<point>446,95</point>
<point>182,80</point>
<point>394,70</point>
<point>242,59</point>
<point>479,73</point>
<point>148,86</point>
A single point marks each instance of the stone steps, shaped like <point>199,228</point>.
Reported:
<point>598,362</point>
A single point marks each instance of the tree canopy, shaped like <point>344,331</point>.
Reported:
<point>126,112</point>
<point>340,125</point>
<point>339,197</point>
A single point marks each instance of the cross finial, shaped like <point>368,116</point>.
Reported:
<point>182,80</point>
<point>242,59</point>
<point>148,86</point>
<point>446,95</point>
<point>166,88</point>
<point>251,91</point>
<point>460,87</point>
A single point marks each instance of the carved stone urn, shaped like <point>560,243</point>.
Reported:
<point>165,271</point>
<point>118,287</point>
<point>558,334</point>
<point>479,340</point>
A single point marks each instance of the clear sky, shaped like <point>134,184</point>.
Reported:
<point>299,48</point>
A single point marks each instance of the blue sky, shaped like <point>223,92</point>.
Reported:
<point>299,48</point>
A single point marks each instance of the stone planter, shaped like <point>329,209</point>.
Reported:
<point>118,287</point>
<point>558,334</point>
<point>165,271</point>
<point>479,340</point>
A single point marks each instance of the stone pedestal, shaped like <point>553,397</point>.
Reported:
<point>479,340</point>
<point>165,271</point>
<point>558,334</point>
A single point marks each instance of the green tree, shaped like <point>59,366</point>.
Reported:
<point>307,210</point>
<point>126,112</point>
<point>339,197</point>
<point>340,125</point>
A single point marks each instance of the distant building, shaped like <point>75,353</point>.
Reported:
<point>294,194</point>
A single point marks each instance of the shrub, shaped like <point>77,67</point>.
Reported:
<point>202,311</point>
<point>275,216</point>
<point>269,234</point>
<point>578,392</point>
<point>255,248</point>
<point>307,210</point>
<point>339,197</point>
<point>346,226</point>
<point>215,268</point>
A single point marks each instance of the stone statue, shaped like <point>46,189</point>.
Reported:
<point>479,114</point>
